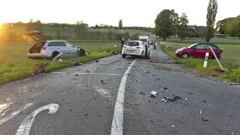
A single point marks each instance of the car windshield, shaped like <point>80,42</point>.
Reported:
<point>133,43</point>
<point>56,44</point>
<point>143,40</point>
<point>192,45</point>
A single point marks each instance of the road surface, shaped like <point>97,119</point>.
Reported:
<point>112,97</point>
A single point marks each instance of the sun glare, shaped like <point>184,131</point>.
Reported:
<point>1,28</point>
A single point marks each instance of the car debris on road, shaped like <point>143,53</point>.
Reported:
<point>153,93</point>
<point>168,99</point>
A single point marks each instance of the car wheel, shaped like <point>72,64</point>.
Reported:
<point>54,54</point>
<point>185,55</point>
<point>123,55</point>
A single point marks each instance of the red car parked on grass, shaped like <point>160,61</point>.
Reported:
<point>198,50</point>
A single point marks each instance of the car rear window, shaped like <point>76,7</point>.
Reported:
<point>133,43</point>
<point>56,44</point>
<point>143,40</point>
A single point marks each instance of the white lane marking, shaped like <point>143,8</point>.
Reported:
<point>117,122</point>
<point>25,127</point>
<point>13,114</point>
<point>87,73</point>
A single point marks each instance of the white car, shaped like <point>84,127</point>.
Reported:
<point>135,48</point>
<point>52,48</point>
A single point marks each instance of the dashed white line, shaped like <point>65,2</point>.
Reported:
<point>117,122</point>
<point>13,114</point>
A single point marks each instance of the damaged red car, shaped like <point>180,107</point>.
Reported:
<point>198,50</point>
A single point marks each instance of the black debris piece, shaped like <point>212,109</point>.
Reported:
<point>103,82</point>
<point>173,99</point>
<point>204,119</point>
<point>142,93</point>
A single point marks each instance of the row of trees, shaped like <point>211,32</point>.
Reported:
<point>14,31</point>
<point>169,23</point>
<point>229,26</point>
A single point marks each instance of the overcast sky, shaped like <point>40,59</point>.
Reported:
<point>132,12</point>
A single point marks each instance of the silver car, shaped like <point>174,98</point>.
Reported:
<point>52,48</point>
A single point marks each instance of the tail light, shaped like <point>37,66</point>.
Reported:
<point>43,48</point>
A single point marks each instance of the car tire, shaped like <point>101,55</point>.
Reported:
<point>123,55</point>
<point>185,55</point>
<point>54,54</point>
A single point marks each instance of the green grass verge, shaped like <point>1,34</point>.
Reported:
<point>233,73</point>
<point>14,63</point>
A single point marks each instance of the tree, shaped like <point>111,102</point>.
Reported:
<point>120,24</point>
<point>183,28</point>
<point>211,18</point>
<point>230,26</point>
<point>166,23</point>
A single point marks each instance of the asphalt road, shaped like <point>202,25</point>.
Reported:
<point>89,100</point>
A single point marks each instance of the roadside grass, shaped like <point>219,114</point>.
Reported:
<point>14,63</point>
<point>230,60</point>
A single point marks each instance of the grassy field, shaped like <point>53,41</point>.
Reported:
<point>14,63</point>
<point>230,60</point>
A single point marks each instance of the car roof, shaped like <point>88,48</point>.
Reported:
<point>134,41</point>
<point>56,40</point>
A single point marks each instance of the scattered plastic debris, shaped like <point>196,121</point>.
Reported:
<point>153,93</point>
<point>232,83</point>
<point>148,72</point>
<point>201,111</point>
<point>142,93</point>
<point>167,99</point>
<point>97,61</point>
<point>204,119</point>
<point>103,82</point>
<point>137,80</point>
<point>204,101</point>
<point>190,93</point>
<point>76,63</point>
<point>173,126</point>
<point>164,88</point>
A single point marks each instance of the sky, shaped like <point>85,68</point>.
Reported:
<point>132,12</point>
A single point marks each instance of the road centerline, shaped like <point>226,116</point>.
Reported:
<point>117,122</point>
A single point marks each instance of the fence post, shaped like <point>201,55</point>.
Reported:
<point>206,60</point>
